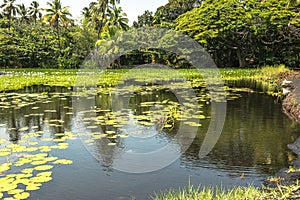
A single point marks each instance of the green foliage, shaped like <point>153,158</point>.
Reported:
<point>52,40</point>
<point>245,33</point>
<point>36,45</point>
<point>165,15</point>
<point>19,78</point>
<point>240,193</point>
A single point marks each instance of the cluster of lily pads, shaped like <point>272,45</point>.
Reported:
<point>26,166</point>
<point>20,78</point>
<point>27,163</point>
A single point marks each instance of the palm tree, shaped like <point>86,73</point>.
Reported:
<point>9,10</point>
<point>88,17</point>
<point>118,18</point>
<point>57,15</point>
<point>35,11</point>
<point>99,10</point>
<point>23,13</point>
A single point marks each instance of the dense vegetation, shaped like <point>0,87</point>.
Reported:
<point>49,37</point>
<point>236,33</point>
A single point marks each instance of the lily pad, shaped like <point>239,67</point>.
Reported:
<point>32,187</point>
<point>4,153</point>
<point>43,167</point>
<point>23,195</point>
<point>15,191</point>
<point>63,162</point>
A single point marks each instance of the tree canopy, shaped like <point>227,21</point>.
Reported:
<point>236,33</point>
<point>49,37</point>
<point>246,33</point>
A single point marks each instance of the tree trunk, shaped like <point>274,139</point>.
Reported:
<point>240,58</point>
<point>101,23</point>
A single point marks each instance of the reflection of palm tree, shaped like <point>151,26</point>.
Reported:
<point>13,133</point>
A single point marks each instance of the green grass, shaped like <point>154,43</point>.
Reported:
<point>239,193</point>
<point>264,78</point>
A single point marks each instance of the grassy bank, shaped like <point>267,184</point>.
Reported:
<point>263,79</point>
<point>240,193</point>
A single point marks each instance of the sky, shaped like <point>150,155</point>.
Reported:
<point>132,8</point>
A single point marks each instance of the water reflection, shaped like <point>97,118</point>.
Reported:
<point>253,142</point>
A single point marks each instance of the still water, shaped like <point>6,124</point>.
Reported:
<point>252,146</point>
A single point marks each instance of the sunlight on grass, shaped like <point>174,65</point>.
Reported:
<point>239,193</point>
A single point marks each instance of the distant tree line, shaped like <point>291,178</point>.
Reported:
<point>236,33</point>
<point>49,38</point>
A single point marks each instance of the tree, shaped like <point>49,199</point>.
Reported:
<point>116,17</point>
<point>34,11</point>
<point>23,13</point>
<point>245,33</point>
<point>57,16</point>
<point>9,10</point>
<point>99,10</point>
<point>145,19</point>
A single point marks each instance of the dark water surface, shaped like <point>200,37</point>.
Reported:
<point>252,147</point>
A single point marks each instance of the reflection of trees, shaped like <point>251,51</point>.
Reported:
<point>13,133</point>
<point>120,101</point>
<point>16,117</point>
<point>256,133</point>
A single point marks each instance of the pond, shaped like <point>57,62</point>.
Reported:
<point>78,140</point>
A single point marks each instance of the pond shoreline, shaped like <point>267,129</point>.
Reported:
<point>291,108</point>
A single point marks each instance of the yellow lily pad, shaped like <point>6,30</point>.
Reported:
<point>5,167</point>
<point>39,162</point>
<point>41,179</point>
<point>24,129</point>
<point>63,162</point>
<point>23,195</point>
<point>5,153</point>
<point>43,167</point>
<point>32,187</point>
<point>2,141</point>
<point>48,174</point>
<point>15,191</point>
<point>27,170</point>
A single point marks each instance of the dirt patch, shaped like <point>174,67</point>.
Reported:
<point>291,103</point>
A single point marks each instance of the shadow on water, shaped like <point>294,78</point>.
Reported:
<point>253,144</point>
